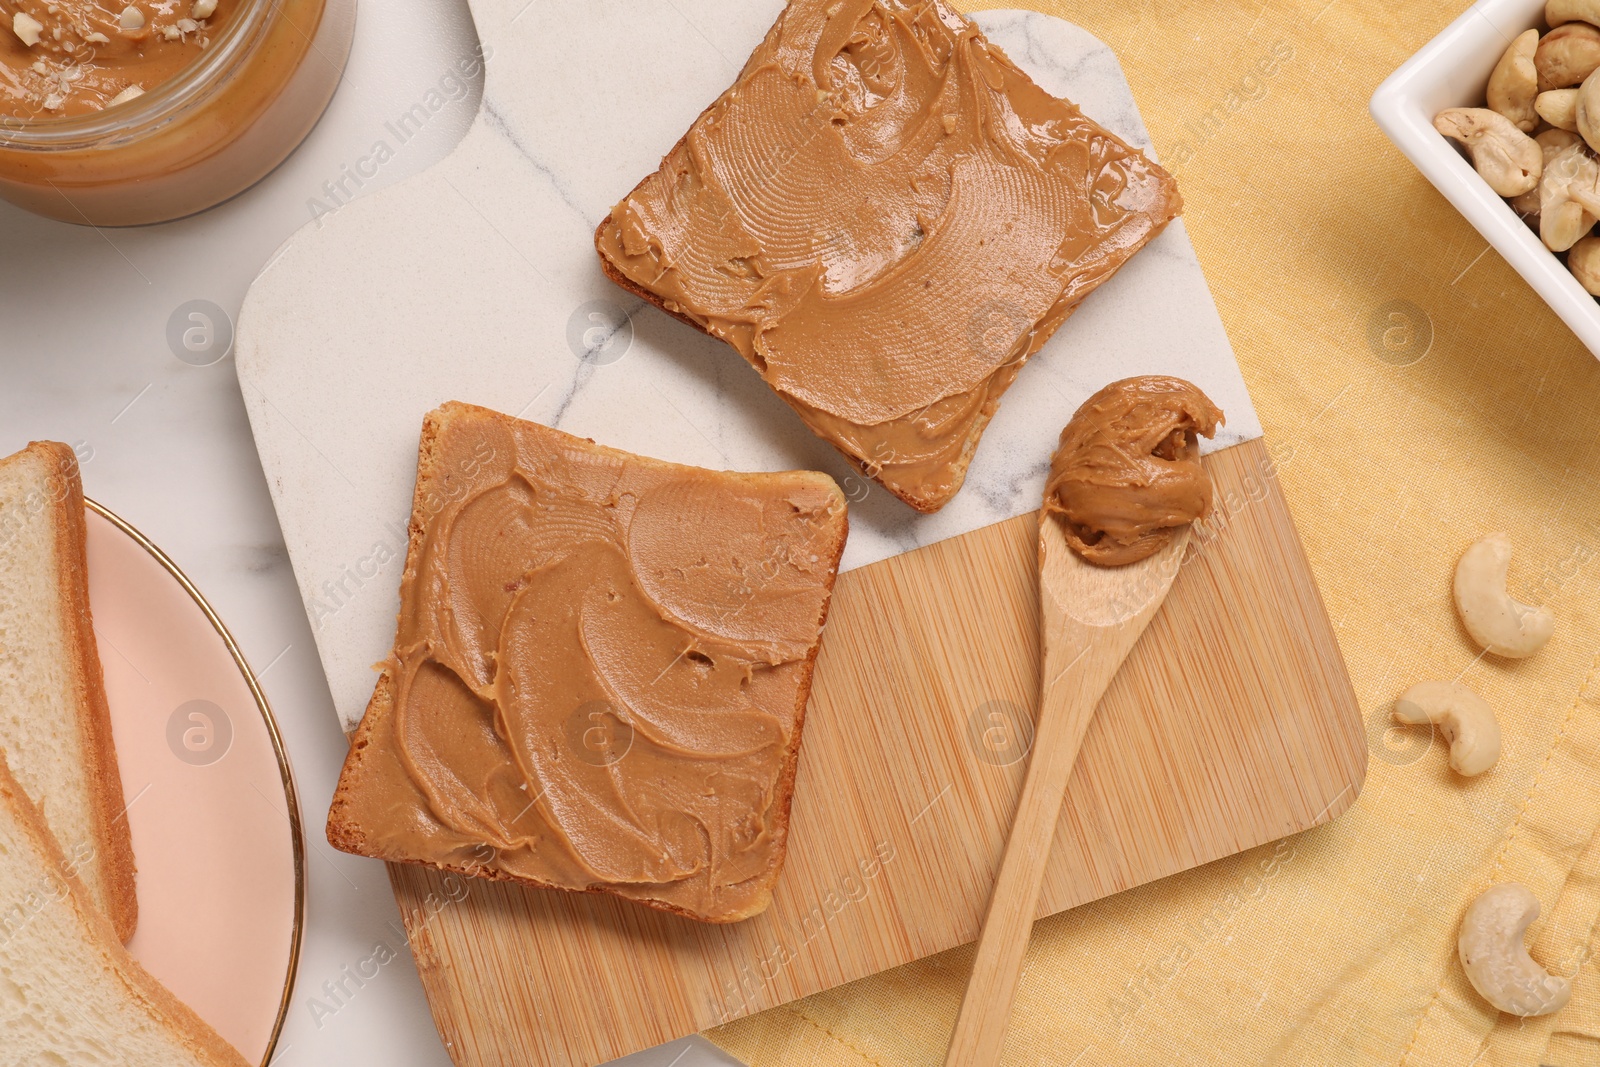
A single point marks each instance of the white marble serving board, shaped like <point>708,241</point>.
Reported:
<point>477,281</point>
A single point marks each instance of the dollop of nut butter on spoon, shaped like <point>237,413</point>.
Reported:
<point>1125,484</point>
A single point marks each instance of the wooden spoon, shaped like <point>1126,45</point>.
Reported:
<point>1091,616</point>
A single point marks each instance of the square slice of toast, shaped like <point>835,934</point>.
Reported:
<point>69,991</point>
<point>886,218</point>
<point>54,723</point>
<point>600,670</point>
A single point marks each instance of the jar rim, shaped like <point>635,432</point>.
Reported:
<point>190,86</point>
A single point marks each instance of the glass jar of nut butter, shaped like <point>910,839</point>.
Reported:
<point>120,112</point>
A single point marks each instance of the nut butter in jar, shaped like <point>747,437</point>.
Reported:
<point>120,112</point>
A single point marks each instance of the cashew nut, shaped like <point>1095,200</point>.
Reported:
<point>1465,718</point>
<point>1551,142</point>
<point>1515,83</point>
<point>1496,959</point>
<point>1500,624</point>
<point>1586,115</point>
<point>1557,12</point>
<point>1584,263</point>
<point>1562,215</point>
<point>1508,159</point>
<point>1567,55</point>
<point>1558,107</point>
<point>1527,205</point>
<point>1587,198</point>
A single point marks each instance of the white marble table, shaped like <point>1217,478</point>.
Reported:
<point>84,357</point>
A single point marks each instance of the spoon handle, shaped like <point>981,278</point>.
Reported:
<point>980,1031</point>
<point>1079,660</point>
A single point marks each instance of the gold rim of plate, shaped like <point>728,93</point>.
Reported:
<point>296,827</point>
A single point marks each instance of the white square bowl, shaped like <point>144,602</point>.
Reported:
<point>1452,70</point>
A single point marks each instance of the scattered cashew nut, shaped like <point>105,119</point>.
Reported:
<point>1563,218</point>
<point>1496,959</point>
<point>1558,107</point>
<point>1567,55</point>
<point>1465,718</point>
<point>1508,159</point>
<point>1558,12</point>
<point>1499,623</point>
<point>1515,83</point>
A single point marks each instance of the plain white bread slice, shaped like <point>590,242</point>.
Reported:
<point>70,995</point>
<point>54,723</point>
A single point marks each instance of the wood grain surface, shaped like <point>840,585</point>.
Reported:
<point>1090,617</point>
<point>1232,723</point>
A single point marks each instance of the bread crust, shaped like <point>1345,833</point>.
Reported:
<point>114,862</point>
<point>344,830</point>
<point>176,1017</point>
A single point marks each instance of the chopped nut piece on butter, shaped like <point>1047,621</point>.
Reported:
<point>170,33</point>
<point>26,27</point>
<point>53,101</point>
<point>187,25</point>
<point>203,9</point>
<point>97,38</point>
<point>127,94</point>
<point>131,19</point>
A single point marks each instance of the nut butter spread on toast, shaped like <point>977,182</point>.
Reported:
<point>886,218</point>
<point>600,669</point>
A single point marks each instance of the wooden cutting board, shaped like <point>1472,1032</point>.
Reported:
<point>1232,724</point>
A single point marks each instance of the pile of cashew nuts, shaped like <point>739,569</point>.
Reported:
<point>1535,141</point>
<point>1491,940</point>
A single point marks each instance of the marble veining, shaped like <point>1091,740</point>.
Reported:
<point>475,281</point>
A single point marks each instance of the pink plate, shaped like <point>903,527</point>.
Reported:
<point>211,803</point>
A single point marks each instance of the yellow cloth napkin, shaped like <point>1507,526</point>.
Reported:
<point>1417,395</point>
